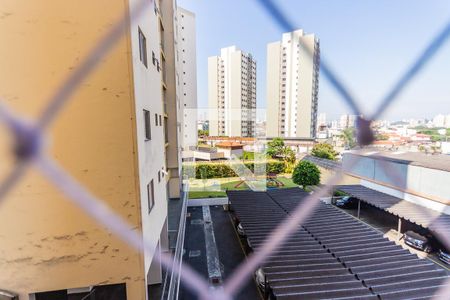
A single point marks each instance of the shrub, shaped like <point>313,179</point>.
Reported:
<point>306,173</point>
<point>248,155</point>
<point>324,150</point>
<point>208,170</point>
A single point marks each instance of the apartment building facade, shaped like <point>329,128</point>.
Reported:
<point>187,62</point>
<point>293,85</point>
<point>117,137</point>
<point>232,93</point>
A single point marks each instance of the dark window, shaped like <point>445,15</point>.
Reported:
<point>154,58</point>
<point>156,119</point>
<point>159,176</point>
<point>110,292</point>
<point>148,131</point>
<point>160,120</point>
<point>54,295</point>
<point>150,195</point>
<point>142,48</point>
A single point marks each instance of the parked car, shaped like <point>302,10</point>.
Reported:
<point>417,241</point>
<point>249,244</point>
<point>240,230</point>
<point>444,255</point>
<point>260,278</point>
<point>347,202</point>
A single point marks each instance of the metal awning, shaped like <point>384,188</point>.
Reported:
<point>414,213</point>
<point>332,255</point>
<point>301,267</point>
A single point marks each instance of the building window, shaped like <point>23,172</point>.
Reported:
<point>150,195</point>
<point>148,131</point>
<point>156,119</point>
<point>142,48</point>
<point>154,60</point>
<point>160,120</point>
<point>159,176</point>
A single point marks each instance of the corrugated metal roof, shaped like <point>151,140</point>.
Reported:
<point>301,267</point>
<point>386,268</point>
<point>420,215</point>
<point>322,162</point>
<point>332,255</point>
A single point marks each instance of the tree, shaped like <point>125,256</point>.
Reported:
<point>349,137</point>
<point>203,132</point>
<point>305,174</point>
<point>324,150</point>
<point>275,147</point>
<point>289,159</point>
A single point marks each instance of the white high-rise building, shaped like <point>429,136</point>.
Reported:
<point>292,85</point>
<point>439,121</point>
<point>187,75</point>
<point>447,121</point>
<point>232,93</point>
<point>322,119</point>
<point>346,121</point>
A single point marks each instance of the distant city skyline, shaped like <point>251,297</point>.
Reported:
<point>368,55</point>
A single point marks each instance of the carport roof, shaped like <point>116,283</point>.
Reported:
<point>332,255</point>
<point>428,218</point>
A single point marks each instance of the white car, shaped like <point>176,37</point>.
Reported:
<point>240,230</point>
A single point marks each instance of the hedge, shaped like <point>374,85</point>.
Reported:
<point>208,170</point>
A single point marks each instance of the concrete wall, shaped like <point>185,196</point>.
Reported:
<point>426,183</point>
<point>326,174</point>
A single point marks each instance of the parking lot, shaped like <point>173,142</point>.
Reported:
<point>201,247</point>
<point>388,224</point>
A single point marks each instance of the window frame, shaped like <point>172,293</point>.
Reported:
<point>142,47</point>
<point>147,125</point>
<point>150,195</point>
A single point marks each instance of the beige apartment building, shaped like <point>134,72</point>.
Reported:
<point>118,137</point>
<point>232,93</point>
<point>293,85</point>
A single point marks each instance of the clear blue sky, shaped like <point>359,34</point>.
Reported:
<point>368,43</point>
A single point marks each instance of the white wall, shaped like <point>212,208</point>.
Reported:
<point>273,90</point>
<point>186,47</point>
<point>424,186</point>
<point>151,158</point>
<point>213,95</point>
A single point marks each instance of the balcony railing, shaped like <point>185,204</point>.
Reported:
<point>173,290</point>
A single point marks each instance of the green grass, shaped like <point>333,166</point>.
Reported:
<point>232,186</point>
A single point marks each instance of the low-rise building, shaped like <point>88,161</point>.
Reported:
<point>423,179</point>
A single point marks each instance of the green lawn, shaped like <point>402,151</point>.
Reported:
<point>231,185</point>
